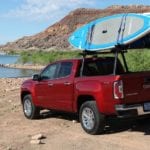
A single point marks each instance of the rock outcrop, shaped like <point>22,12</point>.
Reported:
<point>56,36</point>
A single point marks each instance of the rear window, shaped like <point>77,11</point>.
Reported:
<point>101,66</point>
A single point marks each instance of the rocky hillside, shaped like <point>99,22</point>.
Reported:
<point>56,36</point>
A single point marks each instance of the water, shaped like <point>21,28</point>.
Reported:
<point>12,72</point>
<point>8,59</point>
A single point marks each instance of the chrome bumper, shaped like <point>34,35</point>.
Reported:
<point>130,110</point>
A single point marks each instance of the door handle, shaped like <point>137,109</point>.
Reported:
<point>67,83</point>
<point>50,84</point>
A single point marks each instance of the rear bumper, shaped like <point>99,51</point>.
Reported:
<point>126,111</point>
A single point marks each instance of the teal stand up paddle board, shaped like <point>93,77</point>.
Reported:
<point>107,32</point>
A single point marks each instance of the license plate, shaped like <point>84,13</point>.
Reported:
<point>146,106</point>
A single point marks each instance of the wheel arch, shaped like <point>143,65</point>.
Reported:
<point>82,99</point>
<point>23,94</point>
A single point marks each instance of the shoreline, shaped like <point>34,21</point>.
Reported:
<point>21,66</point>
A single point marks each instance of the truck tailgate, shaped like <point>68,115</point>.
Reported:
<point>136,87</point>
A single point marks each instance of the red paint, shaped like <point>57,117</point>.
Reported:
<point>63,93</point>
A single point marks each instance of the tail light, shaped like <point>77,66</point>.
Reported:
<point>118,89</point>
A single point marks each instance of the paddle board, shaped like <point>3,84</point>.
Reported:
<point>107,32</point>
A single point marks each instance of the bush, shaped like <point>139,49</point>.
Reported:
<point>137,60</point>
<point>44,58</point>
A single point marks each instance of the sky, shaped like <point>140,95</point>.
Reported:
<point>20,18</point>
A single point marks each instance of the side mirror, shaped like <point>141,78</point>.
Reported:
<point>36,77</point>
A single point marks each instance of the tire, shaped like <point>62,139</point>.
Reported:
<point>92,121</point>
<point>29,109</point>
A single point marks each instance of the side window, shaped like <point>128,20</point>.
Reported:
<point>49,72</point>
<point>65,69</point>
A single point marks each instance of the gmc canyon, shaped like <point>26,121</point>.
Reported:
<point>93,87</point>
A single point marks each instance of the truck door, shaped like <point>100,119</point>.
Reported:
<point>43,88</point>
<point>61,91</point>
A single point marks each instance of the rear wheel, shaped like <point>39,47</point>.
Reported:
<point>92,121</point>
<point>29,109</point>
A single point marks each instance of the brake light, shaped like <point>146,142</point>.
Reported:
<point>118,89</point>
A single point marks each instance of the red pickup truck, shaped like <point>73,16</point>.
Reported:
<point>93,87</point>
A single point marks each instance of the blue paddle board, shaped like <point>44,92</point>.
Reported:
<point>107,32</point>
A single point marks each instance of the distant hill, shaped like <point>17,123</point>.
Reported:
<point>56,36</point>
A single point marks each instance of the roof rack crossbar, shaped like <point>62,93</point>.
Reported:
<point>117,48</point>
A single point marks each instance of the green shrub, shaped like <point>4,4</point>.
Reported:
<point>44,58</point>
<point>137,60</point>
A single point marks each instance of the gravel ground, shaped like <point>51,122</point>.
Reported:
<point>62,131</point>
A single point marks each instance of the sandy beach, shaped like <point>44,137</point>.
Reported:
<point>62,132</point>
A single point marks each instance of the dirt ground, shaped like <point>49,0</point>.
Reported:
<point>60,130</point>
